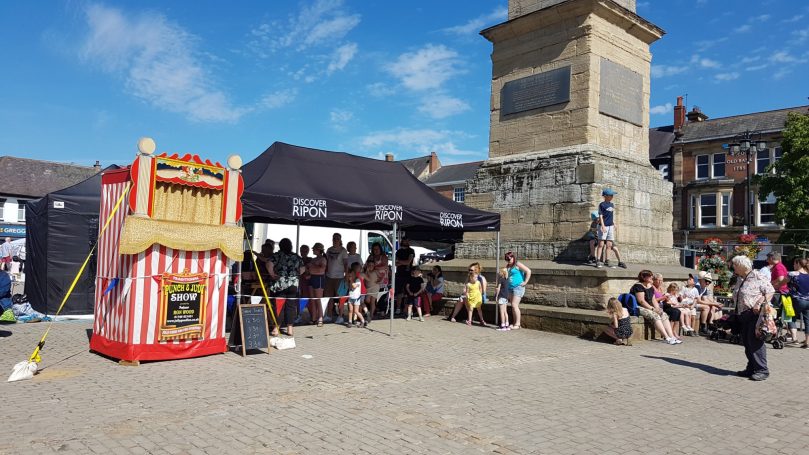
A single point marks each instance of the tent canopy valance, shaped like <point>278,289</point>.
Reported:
<point>291,184</point>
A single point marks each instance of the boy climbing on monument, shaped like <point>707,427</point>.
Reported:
<point>606,233</point>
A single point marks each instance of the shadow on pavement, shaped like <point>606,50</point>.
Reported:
<point>4,333</point>
<point>706,368</point>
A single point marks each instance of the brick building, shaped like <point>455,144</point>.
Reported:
<point>450,181</point>
<point>709,182</point>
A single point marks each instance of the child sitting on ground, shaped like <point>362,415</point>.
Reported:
<point>621,325</point>
<point>414,289</point>
<point>501,293</point>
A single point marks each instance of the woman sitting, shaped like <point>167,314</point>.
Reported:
<point>649,308</point>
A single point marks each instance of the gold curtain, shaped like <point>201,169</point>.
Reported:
<point>140,233</point>
<point>186,204</point>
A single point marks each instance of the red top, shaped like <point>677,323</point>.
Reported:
<point>780,271</point>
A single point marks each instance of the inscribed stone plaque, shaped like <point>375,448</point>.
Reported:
<point>621,93</point>
<point>535,91</point>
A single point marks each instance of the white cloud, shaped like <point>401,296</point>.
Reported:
<point>661,109</point>
<point>342,55</point>
<point>756,67</point>
<point>425,69</point>
<point>380,90</point>
<point>784,57</point>
<point>704,45</point>
<point>752,59</point>
<point>667,70</point>
<point>158,61</point>
<point>760,18</point>
<point>406,143</point>
<point>642,4</point>
<point>442,106</point>
<point>781,73</point>
<point>726,76</point>
<point>704,62</point>
<point>801,35</point>
<point>477,24</point>
<point>795,18</point>
<point>340,118</point>
<point>321,23</point>
<point>743,28</point>
<point>278,99</point>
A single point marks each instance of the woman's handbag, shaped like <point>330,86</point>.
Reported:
<point>786,303</point>
<point>765,327</point>
<point>342,289</point>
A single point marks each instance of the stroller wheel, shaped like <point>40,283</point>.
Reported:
<point>778,344</point>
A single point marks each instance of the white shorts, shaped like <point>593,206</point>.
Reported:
<point>502,301</point>
<point>607,234</point>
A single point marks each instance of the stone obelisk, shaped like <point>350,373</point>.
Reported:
<point>569,118</point>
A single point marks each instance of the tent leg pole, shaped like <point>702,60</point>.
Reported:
<point>298,238</point>
<point>497,278</point>
<point>392,295</point>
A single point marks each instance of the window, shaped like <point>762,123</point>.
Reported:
<point>777,154</point>
<point>458,194</point>
<point>692,218</point>
<point>718,165</point>
<point>710,210</point>
<point>20,210</point>
<point>766,214</point>
<point>703,167</point>
<point>762,160</point>
<point>707,205</point>
<point>664,171</point>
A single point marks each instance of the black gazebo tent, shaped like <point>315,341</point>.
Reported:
<point>62,227</point>
<point>291,184</point>
<point>288,184</point>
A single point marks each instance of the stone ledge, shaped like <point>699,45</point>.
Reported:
<point>587,324</point>
<point>670,272</point>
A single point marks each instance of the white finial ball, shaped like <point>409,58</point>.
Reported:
<point>146,145</point>
<point>235,162</point>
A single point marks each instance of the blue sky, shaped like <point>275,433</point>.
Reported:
<point>82,81</point>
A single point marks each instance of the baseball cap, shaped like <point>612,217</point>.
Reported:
<point>703,275</point>
<point>593,215</point>
<point>608,192</point>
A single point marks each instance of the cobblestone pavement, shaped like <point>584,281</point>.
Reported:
<point>433,387</point>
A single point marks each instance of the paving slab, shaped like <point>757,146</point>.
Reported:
<point>432,387</point>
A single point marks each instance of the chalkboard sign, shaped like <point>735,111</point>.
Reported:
<point>252,327</point>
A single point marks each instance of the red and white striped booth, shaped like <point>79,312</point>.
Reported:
<point>163,262</point>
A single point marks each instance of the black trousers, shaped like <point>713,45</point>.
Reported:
<point>290,309</point>
<point>754,348</point>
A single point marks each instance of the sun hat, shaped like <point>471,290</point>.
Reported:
<point>593,215</point>
<point>608,192</point>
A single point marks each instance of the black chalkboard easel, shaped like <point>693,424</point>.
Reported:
<point>250,324</point>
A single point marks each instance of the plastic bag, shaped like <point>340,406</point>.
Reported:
<point>765,327</point>
<point>786,303</point>
<point>23,370</point>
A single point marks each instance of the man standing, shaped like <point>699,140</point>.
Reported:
<point>5,254</point>
<point>404,261</point>
<point>335,272</point>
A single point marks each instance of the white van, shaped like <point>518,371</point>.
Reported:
<point>309,235</point>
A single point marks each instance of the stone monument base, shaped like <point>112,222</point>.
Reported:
<point>545,200</point>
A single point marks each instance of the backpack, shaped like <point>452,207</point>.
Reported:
<point>630,303</point>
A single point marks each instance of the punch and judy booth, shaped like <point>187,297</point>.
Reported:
<point>165,257</point>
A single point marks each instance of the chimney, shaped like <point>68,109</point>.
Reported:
<point>389,157</point>
<point>97,166</point>
<point>679,115</point>
<point>696,115</point>
<point>434,163</point>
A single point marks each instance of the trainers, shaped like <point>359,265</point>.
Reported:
<point>759,376</point>
<point>339,320</point>
<point>599,264</point>
<point>676,341</point>
<point>409,318</point>
<point>622,265</point>
<point>326,319</point>
<point>297,320</point>
<point>671,340</point>
<point>591,261</point>
<point>421,318</point>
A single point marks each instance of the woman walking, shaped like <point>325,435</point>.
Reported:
<point>799,283</point>
<point>752,294</point>
<point>518,276</point>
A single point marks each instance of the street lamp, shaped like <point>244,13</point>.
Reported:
<point>749,148</point>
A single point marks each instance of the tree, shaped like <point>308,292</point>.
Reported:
<point>789,181</point>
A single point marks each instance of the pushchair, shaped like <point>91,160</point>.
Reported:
<point>780,337</point>
<point>727,328</point>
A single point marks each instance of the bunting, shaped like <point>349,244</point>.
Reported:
<point>302,304</point>
<point>279,305</point>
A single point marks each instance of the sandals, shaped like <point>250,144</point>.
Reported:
<point>469,323</point>
<point>514,327</point>
<point>320,323</point>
